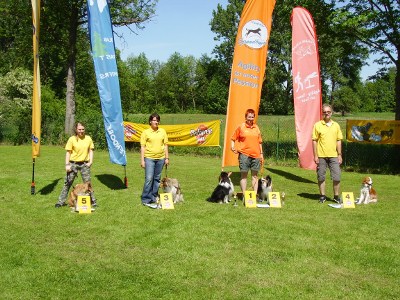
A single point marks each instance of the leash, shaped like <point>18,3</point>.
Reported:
<point>166,171</point>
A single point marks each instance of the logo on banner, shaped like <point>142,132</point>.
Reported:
<point>254,34</point>
<point>201,133</point>
<point>304,48</point>
<point>129,131</point>
<point>35,139</point>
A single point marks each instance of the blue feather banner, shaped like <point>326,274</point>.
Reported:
<point>105,64</point>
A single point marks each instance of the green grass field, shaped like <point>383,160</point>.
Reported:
<point>199,250</point>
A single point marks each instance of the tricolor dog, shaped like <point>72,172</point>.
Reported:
<point>224,190</point>
<point>171,185</point>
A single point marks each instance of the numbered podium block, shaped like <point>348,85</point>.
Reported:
<point>83,205</point>
<point>275,199</point>
<point>348,200</point>
<point>250,200</point>
<point>166,201</point>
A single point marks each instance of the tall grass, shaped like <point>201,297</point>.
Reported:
<point>199,250</point>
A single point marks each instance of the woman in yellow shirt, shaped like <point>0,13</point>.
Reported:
<point>153,156</point>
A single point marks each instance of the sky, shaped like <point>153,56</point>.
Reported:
<point>181,26</point>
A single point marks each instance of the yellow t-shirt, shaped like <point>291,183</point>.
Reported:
<point>327,137</point>
<point>154,142</point>
<point>79,147</point>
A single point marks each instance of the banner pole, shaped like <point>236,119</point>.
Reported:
<point>125,178</point>
<point>33,178</point>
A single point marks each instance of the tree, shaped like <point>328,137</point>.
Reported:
<point>67,20</point>
<point>141,97</point>
<point>174,83</point>
<point>376,23</point>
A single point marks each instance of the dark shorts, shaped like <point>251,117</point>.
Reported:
<point>247,163</point>
<point>334,167</point>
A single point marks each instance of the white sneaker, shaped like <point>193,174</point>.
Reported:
<point>151,205</point>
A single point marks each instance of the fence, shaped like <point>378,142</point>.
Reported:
<point>281,148</point>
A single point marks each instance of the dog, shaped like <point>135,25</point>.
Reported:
<point>224,190</point>
<point>171,185</point>
<point>264,187</point>
<point>367,192</point>
<point>81,189</point>
<point>255,31</point>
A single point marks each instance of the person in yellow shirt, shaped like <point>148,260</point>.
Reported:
<point>247,142</point>
<point>327,146</point>
<point>153,156</point>
<point>78,158</point>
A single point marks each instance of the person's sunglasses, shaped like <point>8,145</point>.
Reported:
<point>326,112</point>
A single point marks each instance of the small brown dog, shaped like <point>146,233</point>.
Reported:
<point>81,189</point>
<point>367,192</point>
<point>171,185</point>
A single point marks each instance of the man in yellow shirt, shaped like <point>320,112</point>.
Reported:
<point>327,145</point>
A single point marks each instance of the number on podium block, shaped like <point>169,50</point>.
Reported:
<point>348,200</point>
<point>275,199</point>
<point>83,205</point>
<point>250,200</point>
<point>166,201</point>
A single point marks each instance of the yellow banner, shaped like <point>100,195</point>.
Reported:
<point>373,131</point>
<point>36,105</point>
<point>206,134</point>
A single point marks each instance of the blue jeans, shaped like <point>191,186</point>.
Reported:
<point>153,169</point>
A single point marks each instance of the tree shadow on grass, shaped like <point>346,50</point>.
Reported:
<point>291,176</point>
<point>309,196</point>
<point>49,188</point>
<point>111,181</point>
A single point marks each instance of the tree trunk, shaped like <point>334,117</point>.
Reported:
<point>70,95</point>
<point>70,100</point>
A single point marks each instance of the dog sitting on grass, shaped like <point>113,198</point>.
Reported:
<point>171,185</point>
<point>264,187</point>
<point>224,190</point>
<point>81,189</point>
<point>367,192</point>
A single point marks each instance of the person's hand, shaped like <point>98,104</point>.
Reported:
<point>316,160</point>
<point>89,164</point>
<point>143,164</point>
<point>233,150</point>
<point>68,168</point>
<point>166,161</point>
<point>340,159</point>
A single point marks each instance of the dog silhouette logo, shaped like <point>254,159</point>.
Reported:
<point>254,31</point>
<point>254,34</point>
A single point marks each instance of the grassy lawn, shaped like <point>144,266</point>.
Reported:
<point>199,250</point>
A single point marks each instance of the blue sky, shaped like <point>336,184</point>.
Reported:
<point>180,26</point>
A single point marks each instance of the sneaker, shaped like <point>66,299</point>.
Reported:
<point>150,205</point>
<point>322,199</point>
<point>58,205</point>
<point>94,204</point>
<point>337,199</point>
